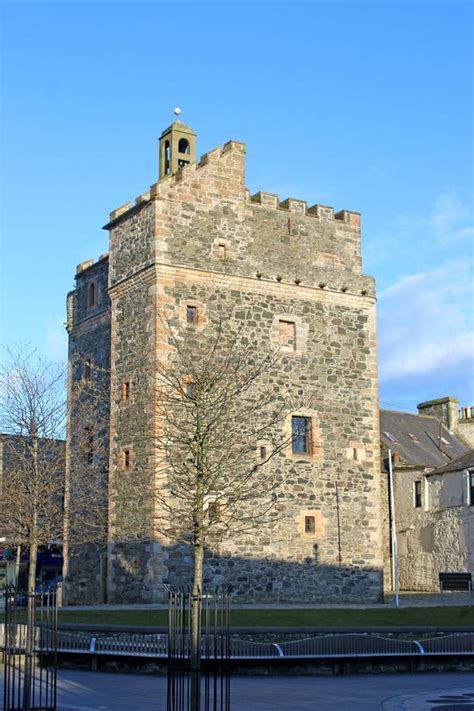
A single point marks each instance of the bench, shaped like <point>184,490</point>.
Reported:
<point>455,581</point>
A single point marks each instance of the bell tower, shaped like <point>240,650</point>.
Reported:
<point>177,148</point>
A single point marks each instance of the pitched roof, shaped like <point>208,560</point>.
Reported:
<point>465,461</point>
<point>420,440</point>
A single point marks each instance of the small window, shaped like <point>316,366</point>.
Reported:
<point>213,510</point>
<point>471,488</point>
<point>390,436</point>
<point>287,335</point>
<point>126,391</point>
<point>413,437</point>
<point>310,524</point>
<point>301,435</point>
<point>191,314</point>
<point>190,390</point>
<point>87,369</point>
<point>263,452</point>
<point>222,251</point>
<point>125,458</point>
<point>417,494</point>
<point>91,295</point>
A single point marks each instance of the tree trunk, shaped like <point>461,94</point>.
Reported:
<point>17,565</point>
<point>196,627</point>
<point>30,629</point>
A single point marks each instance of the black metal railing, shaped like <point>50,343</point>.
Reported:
<point>199,650</point>
<point>30,650</point>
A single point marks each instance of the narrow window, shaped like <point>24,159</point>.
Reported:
<point>191,314</point>
<point>126,458</point>
<point>471,488</point>
<point>263,452</point>
<point>222,251</point>
<point>309,524</point>
<point>213,510</point>
<point>301,435</point>
<point>91,295</point>
<point>417,494</point>
<point>87,369</point>
<point>125,391</point>
<point>190,389</point>
<point>355,453</point>
<point>287,335</point>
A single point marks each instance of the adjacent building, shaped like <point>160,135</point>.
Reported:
<point>432,498</point>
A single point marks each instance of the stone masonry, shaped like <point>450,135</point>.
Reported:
<point>199,238</point>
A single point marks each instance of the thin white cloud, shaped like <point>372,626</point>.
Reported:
<point>426,323</point>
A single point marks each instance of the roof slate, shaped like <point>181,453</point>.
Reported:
<point>424,448</point>
<point>465,461</point>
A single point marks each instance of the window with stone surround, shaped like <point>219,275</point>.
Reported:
<point>213,511</point>
<point>417,494</point>
<point>471,488</point>
<point>287,335</point>
<point>221,251</point>
<point>191,314</point>
<point>301,435</point>
<point>125,459</point>
<point>310,525</point>
<point>126,391</point>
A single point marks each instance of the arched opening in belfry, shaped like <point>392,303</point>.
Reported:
<point>167,157</point>
<point>183,146</point>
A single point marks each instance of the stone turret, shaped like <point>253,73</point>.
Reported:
<point>177,148</point>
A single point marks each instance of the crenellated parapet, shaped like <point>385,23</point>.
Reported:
<point>320,212</point>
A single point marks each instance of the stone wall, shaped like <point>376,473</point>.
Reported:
<point>436,537</point>
<point>89,341</point>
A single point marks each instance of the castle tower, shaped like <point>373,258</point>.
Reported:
<point>177,148</point>
<point>291,277</point>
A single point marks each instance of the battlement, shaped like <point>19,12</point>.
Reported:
<point>321,212</point>
<point>88,263</point>
<point>162,187</point>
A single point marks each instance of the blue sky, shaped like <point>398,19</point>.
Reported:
<point>360,105</point>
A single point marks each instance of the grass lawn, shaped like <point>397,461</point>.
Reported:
<point>449,616</point>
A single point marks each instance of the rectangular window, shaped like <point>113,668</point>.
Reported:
<point>191,314</point>
<point>471,488</point>
<point>309,524</point>
<point>417,494</point>
<point>125,391</point>
<point>126,458</point>
<point>301,435</point>
<point>190,389</point>
<point>213,510</point>
<point>222,251</point>
<point>87,369</point>
<point>263,452</point>
<point>287,335</point>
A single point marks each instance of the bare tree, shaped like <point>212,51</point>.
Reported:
<point>219,424</point>
<point>34,490</point>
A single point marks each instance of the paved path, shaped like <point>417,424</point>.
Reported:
<point>406,600</point>
<point>89,691</point>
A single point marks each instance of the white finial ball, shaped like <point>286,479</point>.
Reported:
<point>177,111</point>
